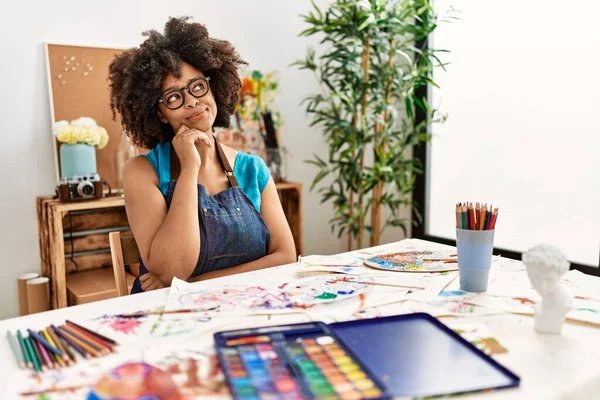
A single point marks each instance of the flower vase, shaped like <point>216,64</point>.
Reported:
<point>77,159</point>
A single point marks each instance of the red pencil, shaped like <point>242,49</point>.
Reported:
<point>494,217</point>
<point>472,216</point>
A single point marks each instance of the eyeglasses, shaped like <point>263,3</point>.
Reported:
<point>173,99</point>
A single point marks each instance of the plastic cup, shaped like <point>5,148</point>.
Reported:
<point>474,249</point>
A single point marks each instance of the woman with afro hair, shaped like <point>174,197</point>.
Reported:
<point>198,209</point>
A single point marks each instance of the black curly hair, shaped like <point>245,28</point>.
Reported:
<point>136,76</point>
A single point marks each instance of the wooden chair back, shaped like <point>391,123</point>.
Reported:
<point>124,251</point>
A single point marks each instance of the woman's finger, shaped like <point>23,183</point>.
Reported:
<point>196,135</point>
<point>144,278</point>
<point>182,129</point>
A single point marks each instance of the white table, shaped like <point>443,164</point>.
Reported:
<point>550,366</point>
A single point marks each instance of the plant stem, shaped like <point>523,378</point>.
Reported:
<point>366,61</point>
<point>378,189</point>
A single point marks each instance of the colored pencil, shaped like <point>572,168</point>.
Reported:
<point>45,343</point>
<point>464,217</point>
<point>34,354</point>
<point>28,361</point>
<point>93,339</point>
<point>488,217</point>
<point>478,216</point>
<point>457,212</point>
<point>93,333</point>
<point>57,359</point>
<point>15,348</point>
<point>494,217</point>
<point>85,340</point>
<point>30,358</point>
<point>68,354</point>
<point>483,216</point>
<point>44,353</point>
<point>471,216</point>
<point>70,342</point>
<point>89,349</point>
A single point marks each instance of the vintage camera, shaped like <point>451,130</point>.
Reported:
<point>80,187</point>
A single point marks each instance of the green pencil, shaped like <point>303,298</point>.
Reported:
<point>33,354</point>
<point>15,349</point>
<point>28,361</point>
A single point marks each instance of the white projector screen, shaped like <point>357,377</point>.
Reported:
<point>522,96</point>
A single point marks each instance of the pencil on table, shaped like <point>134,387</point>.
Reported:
<point>34,354</point>
<point>106,339</point>
<point>104,346</point>
<point>44,358</point>
<point>89,349</point>
<point>57,359</point>
<point>85,340</point>
<point>70,342</point>
<point>15,348</point>
<point>47,346</point>
<point>69,356</point>
<point>28,361</point>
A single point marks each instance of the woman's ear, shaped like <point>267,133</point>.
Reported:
<point>161,117</point>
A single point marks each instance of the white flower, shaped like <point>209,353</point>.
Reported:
<point>59,126</point>
<point>85,122</point>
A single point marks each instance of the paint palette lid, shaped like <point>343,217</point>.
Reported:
<point>415,355</point>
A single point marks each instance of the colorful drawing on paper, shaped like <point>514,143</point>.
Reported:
<point>322,289</point>
<point>481,337</point>
<point>229,299</point>
<point>190,370</point>
<point>196,372</point>
<point>415,261</point>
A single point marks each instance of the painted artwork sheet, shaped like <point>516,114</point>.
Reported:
<point>423,261</point>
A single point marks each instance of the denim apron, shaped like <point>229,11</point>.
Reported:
<point>232,231</point>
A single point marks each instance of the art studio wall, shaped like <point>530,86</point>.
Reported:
<point>264,32</point>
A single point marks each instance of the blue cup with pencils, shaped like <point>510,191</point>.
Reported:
<point>475,227</point>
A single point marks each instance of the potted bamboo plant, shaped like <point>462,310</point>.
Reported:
<point>372,63</point>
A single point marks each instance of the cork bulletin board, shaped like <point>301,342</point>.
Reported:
<point>78,80</point>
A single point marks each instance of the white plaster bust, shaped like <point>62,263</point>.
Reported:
<point>545,266</point>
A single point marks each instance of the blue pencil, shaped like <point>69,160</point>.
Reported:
<point>70,342</point>
<point>487,220</point>
<point>45,343</point>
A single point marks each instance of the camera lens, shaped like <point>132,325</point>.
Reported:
<point>86,189</point>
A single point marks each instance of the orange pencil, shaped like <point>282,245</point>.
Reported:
<point>92,339</point>
<point>97,347</point>
<point>78,342</point>
<point>483,217</point>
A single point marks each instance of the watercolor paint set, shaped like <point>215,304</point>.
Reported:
<point>412,355</point>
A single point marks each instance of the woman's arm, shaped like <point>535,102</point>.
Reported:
<point>169,241</point>
<point>281,247</point>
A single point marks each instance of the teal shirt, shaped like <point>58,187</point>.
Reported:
<point>250,171</point>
